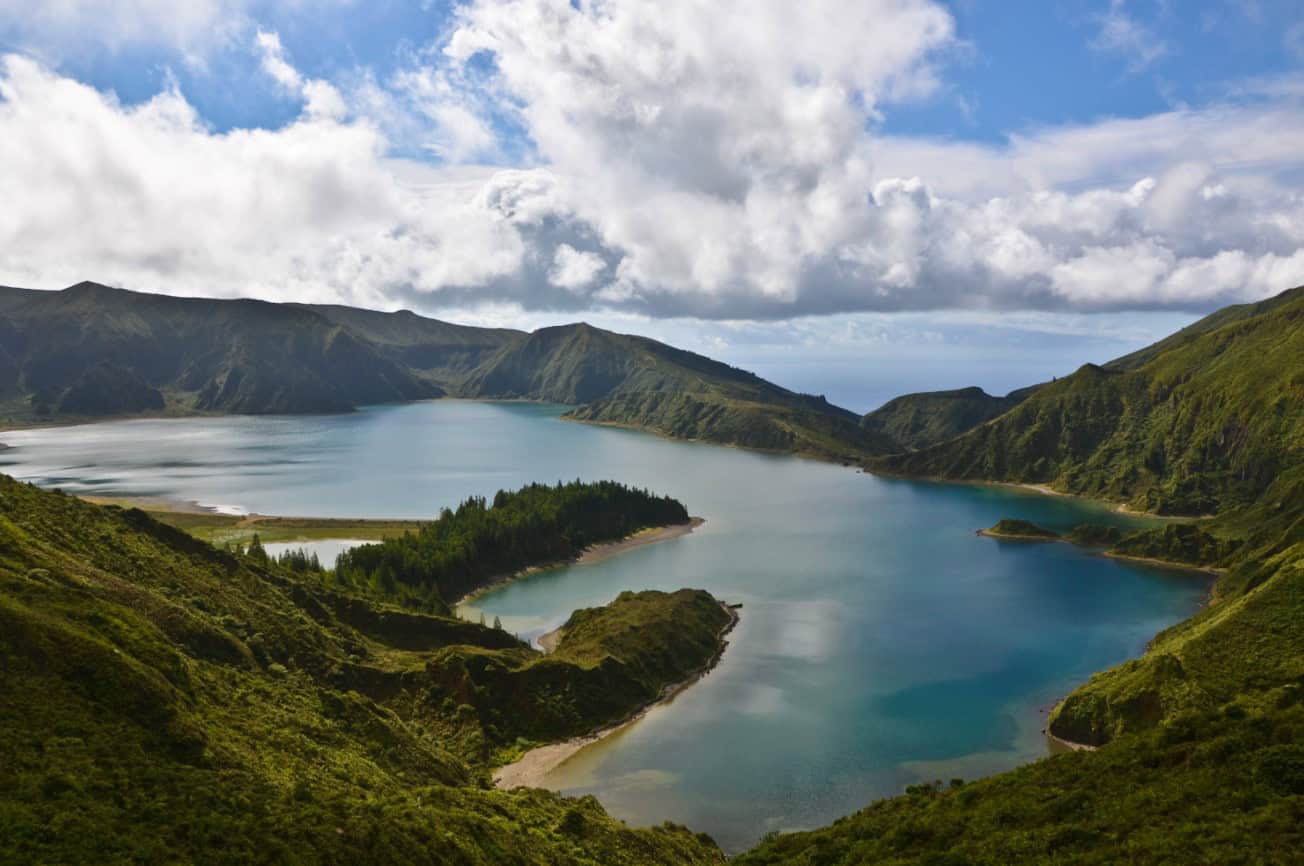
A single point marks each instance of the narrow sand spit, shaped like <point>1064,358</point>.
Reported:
<point>1069,744</point>
<point>595,553</point>
<point>599,552</point>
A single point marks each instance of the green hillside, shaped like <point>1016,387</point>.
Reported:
<point>1246,643</point>
<point>917,421</point>
<point>90,351</point>
<point>1202,426</point>
<point>439,351</point>
<point>636,382</point>
<point>167,702</point>
<point>1217,787</point>
<point>1212,322</point>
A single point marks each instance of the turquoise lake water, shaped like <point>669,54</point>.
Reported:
<point>881,643</point>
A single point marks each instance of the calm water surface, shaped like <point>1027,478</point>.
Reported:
<point>881,643</point>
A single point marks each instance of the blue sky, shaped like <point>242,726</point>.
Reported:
<point>1021,64</point>
<point>862,194</point>
<point>1035,64</point>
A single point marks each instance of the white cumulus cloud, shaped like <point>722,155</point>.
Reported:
<point>685,158</point>
<point>574,269</point>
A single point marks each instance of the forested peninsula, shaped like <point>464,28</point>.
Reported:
<point>467,547</point>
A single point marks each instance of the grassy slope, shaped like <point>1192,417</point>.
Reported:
<point>632,381</point>
<point>1246,643</point>
<point>161,699</point>
<point>1205,426</point>
<point>639,630</point>
<point>1211,322</point>
<point>439,351</point>
<point>190,354</point>
<point>1220,787</point>
<point>919,420</point>
<point>612,661</point>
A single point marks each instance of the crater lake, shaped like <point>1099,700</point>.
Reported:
<point>882,643</point>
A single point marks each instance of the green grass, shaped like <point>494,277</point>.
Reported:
<point>221,529</point>
<point>165,701</point>
<point>1224,787</point>
<point>915,421</point>
<point>1205,425</point>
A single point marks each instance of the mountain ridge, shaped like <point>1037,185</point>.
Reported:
<point>1199,426</point>
<point>142,352</point>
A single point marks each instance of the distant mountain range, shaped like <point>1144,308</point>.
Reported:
<point>1200,421</point>
<point>94,351</point>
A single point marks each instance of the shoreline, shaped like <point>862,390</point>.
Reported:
<point>1116,507</point>
<point>1093,550</point>
<point>1069,744</point>
<point>588,556</point>
<point>845,461</point>
<point>1008,536</point>
<point>1042,489</point>
<point>1165,563</point>
<point>529,770</point>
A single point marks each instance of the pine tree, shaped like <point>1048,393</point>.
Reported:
<point>498,623</point>
<point>256,550</point>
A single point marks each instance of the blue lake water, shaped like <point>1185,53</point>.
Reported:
<point>881,643</point>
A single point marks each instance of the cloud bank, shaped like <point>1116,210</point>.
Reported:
<point>685,158</point>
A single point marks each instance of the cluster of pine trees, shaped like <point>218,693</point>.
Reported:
<point>297,560</point>
<point>465,548</point>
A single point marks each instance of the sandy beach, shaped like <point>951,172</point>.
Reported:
<point>1069,744</point>
<point>599,552</point>
<point>1010,536</point>
<point>592,554</point>
<point>534,765</point>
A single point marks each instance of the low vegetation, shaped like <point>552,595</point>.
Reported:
<point>915,421</point>
<point>1203,423</point>
<point>1095,535</point>
<point>1222,786</point>
<point>1182,543</point>
<point>1009,527</point>
<point>197,705</point>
